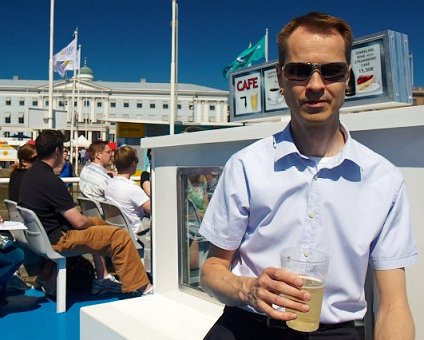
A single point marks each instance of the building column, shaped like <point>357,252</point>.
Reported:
<point>198,111</point>
<point>205,109</point>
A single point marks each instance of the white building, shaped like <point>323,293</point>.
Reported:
<point>99,105</point>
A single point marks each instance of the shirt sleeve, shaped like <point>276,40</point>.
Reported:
<point>395,246</point>
<point>138,196</point>
<point>227,216</point>
<point>58,195</point>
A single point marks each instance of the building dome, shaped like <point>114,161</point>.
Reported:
<point>86,72</point>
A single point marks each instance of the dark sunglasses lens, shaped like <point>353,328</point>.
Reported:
<point>297,71</point>
<point>334,71</point>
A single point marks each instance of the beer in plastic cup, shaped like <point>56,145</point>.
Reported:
<point>311,265</point>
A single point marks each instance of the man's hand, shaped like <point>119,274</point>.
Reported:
<point>281,288</point>
<point>274,286</point>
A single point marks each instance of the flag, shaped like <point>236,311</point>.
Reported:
<point>68,52</point>
<point>245,58</point>
<point>67,59</point>
<point>61,66</point>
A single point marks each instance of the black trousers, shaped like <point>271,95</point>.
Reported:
<point>238,324</point>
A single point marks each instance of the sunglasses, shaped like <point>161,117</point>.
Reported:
<point>303,71</point>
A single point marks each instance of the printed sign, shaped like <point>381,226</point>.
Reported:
<point>248,98</point>
<point>273,98</point>
<point>366,75</point>
<point>380,77</point>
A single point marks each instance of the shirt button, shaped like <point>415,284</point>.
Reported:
<point>311,214</point>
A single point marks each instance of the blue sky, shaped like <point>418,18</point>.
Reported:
<point>127,40</point>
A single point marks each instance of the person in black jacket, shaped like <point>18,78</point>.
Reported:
<point>26,156</point>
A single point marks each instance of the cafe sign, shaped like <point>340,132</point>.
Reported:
<point>380,78</point>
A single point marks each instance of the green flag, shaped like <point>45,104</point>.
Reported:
<point>245,58</point>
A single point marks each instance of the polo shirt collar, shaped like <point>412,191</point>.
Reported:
<point>284,146</point>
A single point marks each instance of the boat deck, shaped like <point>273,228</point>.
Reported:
<point>30,315</point>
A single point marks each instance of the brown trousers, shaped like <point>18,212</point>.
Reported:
<point>108,241</point>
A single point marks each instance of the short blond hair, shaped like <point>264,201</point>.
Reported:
<point>124,157</point>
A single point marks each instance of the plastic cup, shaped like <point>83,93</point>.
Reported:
<point>312,266</point>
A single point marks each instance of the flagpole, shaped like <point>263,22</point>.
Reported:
<point>50,112</point>
<point>266,45</point>
<point>172,114</point>
<point>73,100</point>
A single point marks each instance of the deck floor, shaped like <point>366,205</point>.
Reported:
<point>30,315</point>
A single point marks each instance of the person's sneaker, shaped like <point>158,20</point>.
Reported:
<point>46,286</point>
<point>139,292</point>
<point>107,285</point>
<point>16,284</point>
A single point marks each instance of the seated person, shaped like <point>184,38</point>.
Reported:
<point>94,177</point>
<point>26,157</point>
<point>121,190</point>
<point>67,169</point>
<point>68,230</point>
<point>145,177</point>
<point>11,259</point>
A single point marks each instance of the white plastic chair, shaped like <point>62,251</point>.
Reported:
<point>113,215</point>
<point>39,243</point>
<point>15,216</point>
<point>90,207</point>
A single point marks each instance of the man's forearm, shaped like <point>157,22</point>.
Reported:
<point>393,325</point>
<point>226,287</point>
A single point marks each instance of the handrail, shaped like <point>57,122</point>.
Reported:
<point>6,180</point>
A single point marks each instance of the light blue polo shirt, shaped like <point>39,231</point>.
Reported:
<point>355,208</point>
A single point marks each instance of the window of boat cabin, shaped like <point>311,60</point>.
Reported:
<point>195,188</point>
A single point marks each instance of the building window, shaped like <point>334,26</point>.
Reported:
<point>99,104</point>
<point>8,101</point>
<point>139,105</point>
<point>75,104</point>
<point>7,119</point>
<point>211,107</point>
<point>61,103</point>
<point>46,103</point>
<point>126,104</point>
<point>191,106</point>
<point>165,106</point>
<point>179,106</point>
<point>21,120</point>
<point>6,134</point>
<point>152,105</point>
<point>86,103</point>
<point>21,102</point>
<point>34,102</point>
<point>112,104</point>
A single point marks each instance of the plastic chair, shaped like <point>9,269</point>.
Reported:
<point>113,215</point>
<point>90,207</point>
<point>39,243</point>
<point>15,216</point>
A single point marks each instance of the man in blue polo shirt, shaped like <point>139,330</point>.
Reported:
<point>310,186</point>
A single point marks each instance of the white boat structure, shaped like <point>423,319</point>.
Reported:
<point>178,309</point>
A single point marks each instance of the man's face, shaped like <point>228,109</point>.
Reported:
<point>315,101</point>
<point>104,158</point>
<point>65,155</point>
